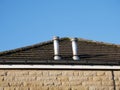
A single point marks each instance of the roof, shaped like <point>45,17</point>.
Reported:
<point>90,53</point>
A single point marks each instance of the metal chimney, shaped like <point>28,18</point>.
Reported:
<point>56,48</point>
<point>75,49</point>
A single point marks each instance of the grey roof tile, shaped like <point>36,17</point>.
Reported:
<point>90,52</point>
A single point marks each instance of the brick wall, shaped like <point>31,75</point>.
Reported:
<point>59,80</point>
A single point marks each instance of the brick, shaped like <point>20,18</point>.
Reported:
<point>22,88</point>
<point>94,83</point>
<point>55,73</point>
<point>10,73</point>
<point>99,88</point>
<point>40,78</point>
<point>48,83</point>
<point>97,78</point>
<point>57,83</point>
<point>90,73</point>
<point>32,73</point>
<point>93,88</point>
<point>45,73</point>
<point>67,73</point>
<point>90,78</point>
<point>33,84</point>
<point>60,88</point>
<point>105,78</point>
<point>55,88</point>
<point>76,73</point>
<point>11,78</point>
<point>117,73</point>
<point>104,88</point>
<point>46,78</point>
<point>9,88</point>
<point>39,88</point>
<point>81,73</point>
<point>66,83</point>
<point>75,83</point>
<point>3,73</point>
<point>17,73</point>
<point>100,73</point>
<point>79,88</point>
<point>107,83</point>
<point>77,78</point>
<point>4,84</point>
<point>35,73</point>
<point>63,78</point>
<point>25,78</point>
<point>16,84</point>
<point>108,73</point>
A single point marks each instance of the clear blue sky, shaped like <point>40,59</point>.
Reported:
<point>26,22</point>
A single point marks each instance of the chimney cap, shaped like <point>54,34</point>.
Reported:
<point>55,38</point>
<point>74,39</point>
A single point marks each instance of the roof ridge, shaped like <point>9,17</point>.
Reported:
<point>95,41</point>
<point>99,42</point>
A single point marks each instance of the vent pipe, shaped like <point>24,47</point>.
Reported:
<point>75,49</point>
<point>56,48</point>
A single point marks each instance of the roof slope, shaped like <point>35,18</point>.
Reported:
<point>90,52</point>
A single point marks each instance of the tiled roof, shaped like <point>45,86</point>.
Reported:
<point>90,53</point>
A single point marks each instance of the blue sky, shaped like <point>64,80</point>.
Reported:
<point>26,22</point>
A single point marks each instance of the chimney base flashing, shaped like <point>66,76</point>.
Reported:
<point>57,57</point>
<point>76,57</point>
